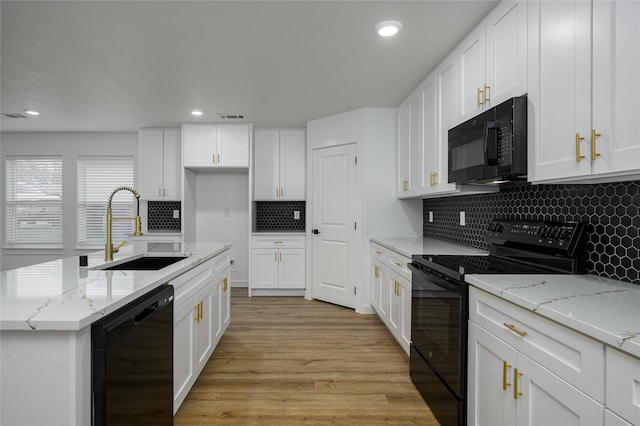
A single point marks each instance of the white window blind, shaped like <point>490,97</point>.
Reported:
<point>34,201</point>
<point>97,178</point>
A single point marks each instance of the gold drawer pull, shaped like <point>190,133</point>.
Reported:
<point>594,136</point>
<point>516,374</point>
<point>376,272</point>
<point>480,93</point>
<point>197,308</point>
<point>486,94</point>
<point>400,264</point>
<point>378,252</point>
<point>578,156</point>
<point>513,328</point>
<point>505,384</point>
<point>405,185</point>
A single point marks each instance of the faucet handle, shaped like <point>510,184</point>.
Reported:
<point>115,249</point>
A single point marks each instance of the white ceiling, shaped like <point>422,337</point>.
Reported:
<point>122,65</point>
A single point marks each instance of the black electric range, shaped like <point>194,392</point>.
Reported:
<point>439,312</point>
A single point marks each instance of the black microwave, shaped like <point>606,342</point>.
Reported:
<point>491,147</point>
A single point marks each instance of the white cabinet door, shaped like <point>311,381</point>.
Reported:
<point>292,165</point>
<point>266,165</point>
<point>218,290</point>
<point>385,294</point>
<point>403,147</point>
<point>506,52</point>
<point>559,75</point>
<point>446,118</point>
<point>395,304</point>
<point>623,385</point>
<point>545,399</point>
<point>415,142</point>
<point>150,164</point>
<point>199,145</point>
<point>405,321</point>
<point>291,271</point>
<point>225,302</point>
<point>205,326</point>
<point>264,265</point>
<point>427,161</point>
<point>616,87</point>
<point>233,146</point>
<point>172,165</point>
<point>471,72</point>
<point>490,379</point>
<point>376,284</point>
<point>184,322</point>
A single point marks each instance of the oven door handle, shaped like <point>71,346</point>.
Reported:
<point>435,279</point>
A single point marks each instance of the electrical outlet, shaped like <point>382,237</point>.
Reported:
<point>430,216</point>
<point>463,219</point>
<point>233,265</point>
<point>176,214</point>
<point>296,214</point>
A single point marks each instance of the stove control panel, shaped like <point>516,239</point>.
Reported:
<point>557,237</point>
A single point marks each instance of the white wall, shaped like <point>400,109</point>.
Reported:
<point>69,146</point>
<point>222,214</point>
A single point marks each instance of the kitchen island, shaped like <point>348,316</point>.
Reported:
<point>46,311</point>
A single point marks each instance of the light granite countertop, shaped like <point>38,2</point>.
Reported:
<point>60,295</point>
<point>408,246</point>
<point>604,309</point>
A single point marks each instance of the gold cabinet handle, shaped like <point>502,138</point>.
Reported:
<point>578,156</point>
<point>275,257</point>
<point>480,93</point>
<point>594,136</point>
<point>505,384</point>
<point>486,94</point>
<point>376,272</point>
<point>399,289</point>
<point>378,252</point>
<point>201,309</point>
<point>516,374</point>
<point>399,264</point>
<point>218,158</point>
<point>434,179</point>
<point>224,288</point>
<point>164,192</point>
<point>513,328</point>
<point>197,308</point>
<point>159,192</point>
<point>213,158</point>
<point>282,192</point>
<point>405,185</point>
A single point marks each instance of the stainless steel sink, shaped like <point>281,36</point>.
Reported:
<point>144,263</point>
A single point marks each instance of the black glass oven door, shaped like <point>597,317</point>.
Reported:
<point>436,330</point>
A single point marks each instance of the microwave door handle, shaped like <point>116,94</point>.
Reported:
<point>490,143</point>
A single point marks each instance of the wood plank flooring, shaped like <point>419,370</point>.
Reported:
<point>290,361</point>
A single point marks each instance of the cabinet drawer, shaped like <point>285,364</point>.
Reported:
<point>187,284</point>
<point>280,241</point>
<point>572,356</point>
<point>623,385</point>
<point>398,263</point>
<point>380,253</point>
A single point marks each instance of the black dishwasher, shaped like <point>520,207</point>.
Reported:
<point>132,363</point>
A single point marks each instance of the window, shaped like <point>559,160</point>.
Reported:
<point>97,178</point>
<point>34,201</point>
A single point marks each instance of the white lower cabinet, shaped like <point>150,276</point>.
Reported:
<point>391,292</point>
<point>623,386</point>
<point>526,370</point>
<point>201,316</point>
<point>277,263</point>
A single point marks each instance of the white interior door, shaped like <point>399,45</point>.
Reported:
<point>334,244</point>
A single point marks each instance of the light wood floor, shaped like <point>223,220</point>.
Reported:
<point>290,361</point>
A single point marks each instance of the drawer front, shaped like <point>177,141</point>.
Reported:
<point>572,356</point>
<point>189,283</point>
<point>380,253</point>
<point>283,241</point>
<point>398,263</point>
<point>623,385</point>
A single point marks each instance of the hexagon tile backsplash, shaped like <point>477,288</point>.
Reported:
<point>612,211</point>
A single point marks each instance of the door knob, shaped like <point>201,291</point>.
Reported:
<point>315,231</point>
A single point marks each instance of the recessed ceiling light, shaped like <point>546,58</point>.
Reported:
<point>196,112</point>
<point>31,112</point>
<point>388,28</point>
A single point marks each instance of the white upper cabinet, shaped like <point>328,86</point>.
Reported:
<point>216,146</point>
<point>159,164</point>
<point>572,135</point>
<point>279,165</point>
<point>409,145</point>
<point>492,60</point>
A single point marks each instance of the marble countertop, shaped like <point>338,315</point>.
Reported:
<point>408,246</point>
<point>59,295</point>
<point>604,309</point>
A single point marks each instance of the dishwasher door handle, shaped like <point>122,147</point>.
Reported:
<point>144,314</point>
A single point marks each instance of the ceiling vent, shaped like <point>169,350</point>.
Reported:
<point>14,115</point>
<point>231,116</point>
